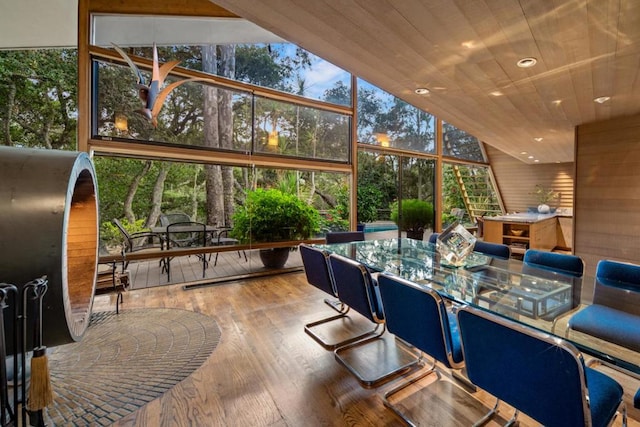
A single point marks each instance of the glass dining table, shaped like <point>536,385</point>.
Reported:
<point>536,297</point>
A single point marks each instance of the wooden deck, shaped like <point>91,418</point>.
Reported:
<point>188,269</point>
<point>267,372</point>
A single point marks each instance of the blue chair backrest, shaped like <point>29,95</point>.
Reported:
<point>316,268</point>
<point>433,238</point>
<point>562,263</point>
<point>540,375</point>
<point>417,314</point>
<point>355,287</point>
<point>617,285</point>
<point>344,236</point>
<point>549,264</point>
<point>495,250</point>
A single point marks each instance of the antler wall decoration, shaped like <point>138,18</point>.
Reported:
<point>152,94</point>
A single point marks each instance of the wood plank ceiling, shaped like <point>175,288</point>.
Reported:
<point>465,53</point>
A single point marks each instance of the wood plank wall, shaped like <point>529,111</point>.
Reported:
<point>516,180</point>
<point>607,206</point>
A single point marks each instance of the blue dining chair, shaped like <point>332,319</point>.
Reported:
<point>614,315</point>
<point>539,374</point>
<point>417,315</point>
<point>433,238</point>
<point>555,265</point>
<point>494,250</point>
<point>344,236</point>
<point>318,273</point>
<point>377,359</point>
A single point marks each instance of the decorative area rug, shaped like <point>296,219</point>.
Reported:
<point>125,361</point>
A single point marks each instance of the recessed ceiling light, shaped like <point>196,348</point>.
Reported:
<point>496,93</point>
<point>530,157</point>
<point>422,91</point>
<point>538,139</point>
<point>527,62</point>
<point>536,161</point>
<point>602,99</point>
<point>523,152</point>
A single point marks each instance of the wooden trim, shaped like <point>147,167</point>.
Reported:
<point>153,7</point>
<point>178,153</point>
<point>439,178</point>
<point>84,76</point>
<point>353,199</point>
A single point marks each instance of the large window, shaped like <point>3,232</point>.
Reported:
<point>387,121</point>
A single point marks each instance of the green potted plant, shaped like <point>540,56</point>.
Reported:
<point>416,216</point>
<point>272,216</point>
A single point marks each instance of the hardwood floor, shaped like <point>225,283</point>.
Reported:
<point>267,372</point>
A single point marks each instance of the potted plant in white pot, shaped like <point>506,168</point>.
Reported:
<point>545,196</point>
<point>274,216</point>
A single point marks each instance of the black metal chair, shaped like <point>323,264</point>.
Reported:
<point>539,374</point>
<point>188,234</point>
<point>134,242</point>
<point>376,359</point>
<point>222,238</point>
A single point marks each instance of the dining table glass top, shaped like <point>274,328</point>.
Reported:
<point>537,297</point>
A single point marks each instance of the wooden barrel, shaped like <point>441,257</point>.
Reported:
<point>49,227</point>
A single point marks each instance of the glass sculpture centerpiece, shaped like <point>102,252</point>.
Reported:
<point>455,244</point>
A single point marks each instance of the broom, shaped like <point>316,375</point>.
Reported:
<point>40,391</point>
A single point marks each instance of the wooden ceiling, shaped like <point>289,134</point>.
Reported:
<point>465,53</point>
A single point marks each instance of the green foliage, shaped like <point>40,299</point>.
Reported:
<point>111,235</point>
<point>545,195</point>
<point>369,199</point>
<point>271,215</point>
<point>416,214</point>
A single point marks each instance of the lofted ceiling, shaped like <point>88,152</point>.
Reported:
<point>465,52</point>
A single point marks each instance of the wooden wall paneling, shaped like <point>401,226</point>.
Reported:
<point>517,181</point>
<point>607,224</point>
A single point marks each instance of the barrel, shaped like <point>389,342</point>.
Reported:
<point>49,227</point>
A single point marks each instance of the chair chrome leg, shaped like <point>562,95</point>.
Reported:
<point>332,346</point>
<point>336,304</point>
<point>488,415</point>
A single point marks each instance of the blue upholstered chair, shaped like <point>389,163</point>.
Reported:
<point>494,250</point>
<point>344,236</point>
<point>318,272</point>
<point>550,265</point>
<point>539,374</point>
<point>614,315</point>
<point>433,238</point>
<point>377,359</point>
<point>417,315</point>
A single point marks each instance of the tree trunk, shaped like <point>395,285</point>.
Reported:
<point>11,97</point>
<point>156,197</point>
<point>213,175</point>
<point>225,126</point>
<point>131,194</point>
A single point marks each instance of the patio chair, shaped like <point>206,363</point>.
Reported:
<point>172,218</point>
<point>221,239</point>
<point>188,234</point>
<point>539,374</point>
<point>417,315</point>
<point>134,242</point>
<point>318,273</point>
<point>376,359</point>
